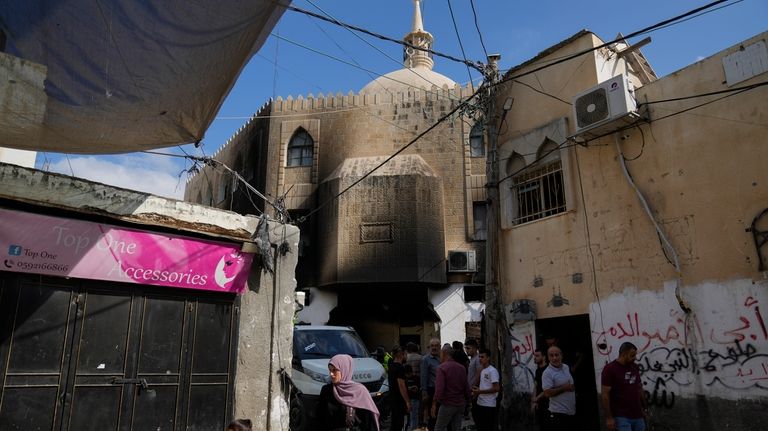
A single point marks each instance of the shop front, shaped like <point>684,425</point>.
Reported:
<point>109,327</point>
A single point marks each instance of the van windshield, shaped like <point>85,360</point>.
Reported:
<point>324,343</point>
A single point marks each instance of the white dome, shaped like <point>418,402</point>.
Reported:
<point>400,81</point>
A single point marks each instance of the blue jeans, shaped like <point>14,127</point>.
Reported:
<point>627,424</point>
<point>415,410</point>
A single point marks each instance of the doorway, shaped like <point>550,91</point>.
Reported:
<point>573,335</point>
<point>78,355</point>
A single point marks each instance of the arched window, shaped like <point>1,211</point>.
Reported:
<point>301,149</point>
<point>476,144</point>
<point>538,191</point>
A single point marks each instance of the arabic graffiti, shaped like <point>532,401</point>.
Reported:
<point>724,344</point>
<point>523,368</point>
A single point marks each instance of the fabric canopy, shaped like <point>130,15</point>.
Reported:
<point>112,76</point>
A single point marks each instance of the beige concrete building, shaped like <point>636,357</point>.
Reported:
<point>654,234</point>
<point>392,246</point>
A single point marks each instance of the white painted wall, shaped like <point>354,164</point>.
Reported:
<point>522,336</point>
<point>454,312</point>
<point>18,157</point>
<point>719,350</point>
<point>319,308</point>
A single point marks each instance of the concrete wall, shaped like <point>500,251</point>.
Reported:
<point>265,343</point>
<point>703,175</point>
<point>18,157</point>
<point>454,312</point>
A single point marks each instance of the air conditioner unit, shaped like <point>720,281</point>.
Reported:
<point>462,261</point>
<point>605,108</point>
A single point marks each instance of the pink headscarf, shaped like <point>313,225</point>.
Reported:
<point>349,393</point>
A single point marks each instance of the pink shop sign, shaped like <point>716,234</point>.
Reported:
<point>39,244</point>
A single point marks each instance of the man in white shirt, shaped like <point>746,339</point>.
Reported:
<point>485,392</point>
<point>557,383</point>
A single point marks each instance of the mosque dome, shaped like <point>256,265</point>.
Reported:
<point>417,71</point>
<point>400,81</point>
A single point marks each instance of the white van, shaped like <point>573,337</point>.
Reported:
<point>313,348</point>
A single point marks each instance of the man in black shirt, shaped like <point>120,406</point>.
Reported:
<point>540,403</point>
<point>400,402</point>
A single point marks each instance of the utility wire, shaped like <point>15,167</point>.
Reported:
<point>629,126</point>
<point>347,62</point>
<point>477,26</point>
<point>458,37</point>
<point>382,37</point>
<point>711,93</point>
<point>372,45</point>
<point>403,148</point>
<point>662,24</point>
<point>319,27</point>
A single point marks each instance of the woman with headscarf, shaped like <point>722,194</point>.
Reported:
<point>343,403</point>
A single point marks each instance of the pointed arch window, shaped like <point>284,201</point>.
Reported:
<point>537,192</point>
<point>476,142</point>
<point>301,149</point>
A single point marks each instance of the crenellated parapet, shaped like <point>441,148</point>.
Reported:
<point>354,100</point>
<point>262,112</point>
<point>289,106</point>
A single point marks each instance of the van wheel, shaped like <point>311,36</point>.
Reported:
<point>297,419</point>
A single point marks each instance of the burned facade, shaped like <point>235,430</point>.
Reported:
<point>374,243</point>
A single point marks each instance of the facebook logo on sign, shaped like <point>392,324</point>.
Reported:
<point>14,250</point>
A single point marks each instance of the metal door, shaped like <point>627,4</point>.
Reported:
<point>90,356</point>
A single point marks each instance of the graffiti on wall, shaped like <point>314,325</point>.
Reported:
<point>722,345</point>
<point>523,343</point>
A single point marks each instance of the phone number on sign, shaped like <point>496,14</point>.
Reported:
<point>45,266</point>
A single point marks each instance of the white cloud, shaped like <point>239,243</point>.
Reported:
<point>157,175</point>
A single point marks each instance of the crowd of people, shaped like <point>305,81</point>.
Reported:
<point>441,388</point>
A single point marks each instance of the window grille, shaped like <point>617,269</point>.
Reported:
<point>538,193</point>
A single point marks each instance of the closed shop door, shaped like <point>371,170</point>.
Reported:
<point>105,356</point>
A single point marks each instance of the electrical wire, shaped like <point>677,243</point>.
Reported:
<point>648,29</point>
<point>214,162</point>
<point>711,93</point>
<point>349,63</point>
<point>70,165</point>
<point>667,244</point>
<point>642,147</point>
<point>382,37</point>
<point>477,26</point>
<point>589,242</point>
<point>458,37</point>
<point>542,92</point>
<point>403,148</point>
<point>319,27</point>
<point>411,70</point>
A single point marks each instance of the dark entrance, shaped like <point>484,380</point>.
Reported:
<point>78,355</point>
<point>573,335</point>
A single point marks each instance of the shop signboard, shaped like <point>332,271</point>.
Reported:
<point>38,244</point>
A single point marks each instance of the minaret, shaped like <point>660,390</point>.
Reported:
<point>418,37</point>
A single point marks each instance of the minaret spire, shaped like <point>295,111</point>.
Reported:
<point>418,37</point>
<point>418,23</point>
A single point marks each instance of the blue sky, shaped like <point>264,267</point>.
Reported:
<point>517,30</point>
